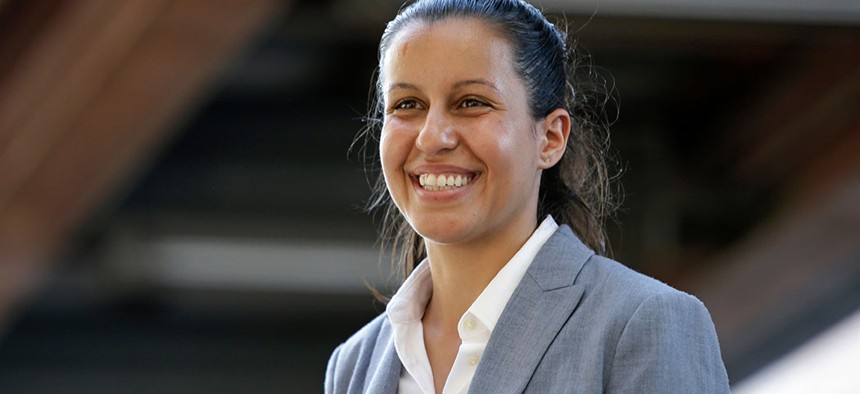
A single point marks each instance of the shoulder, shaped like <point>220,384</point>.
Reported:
<point>610,288</point>
<point>630,302</point>
<point>654,329</point>
<point>619,284</point>
<point>625,331</point>
<point>359,353</point>
<point>611,292</point>
<point>642,303</point>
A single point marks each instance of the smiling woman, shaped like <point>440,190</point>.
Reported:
<point>494,185</point>
<point>466,117</point>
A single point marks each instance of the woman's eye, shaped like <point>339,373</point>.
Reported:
<point>406,104</point>
<point>472,103</point>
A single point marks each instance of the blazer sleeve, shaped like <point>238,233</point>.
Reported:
<point>668,345</point>
<point>331,370</point>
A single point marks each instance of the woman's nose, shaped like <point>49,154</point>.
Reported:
<point>437,134</point>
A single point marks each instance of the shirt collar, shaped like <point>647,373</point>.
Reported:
<point>410,301</point>
<point>488,307</point>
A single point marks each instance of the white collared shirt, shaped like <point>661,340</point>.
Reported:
<point>407,306</point>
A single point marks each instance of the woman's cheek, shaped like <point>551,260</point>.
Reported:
<point>395,141</point>
<point>385,153</point>
<point>392,154</point>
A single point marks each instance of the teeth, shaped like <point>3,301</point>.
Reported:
<point>436,182</point>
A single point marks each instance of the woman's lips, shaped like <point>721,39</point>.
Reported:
<point>442,181</point>
<point>437,182</point>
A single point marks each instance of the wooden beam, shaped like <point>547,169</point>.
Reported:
<point>88,103</point>
<point>58,82</point>
<point>20,22</point>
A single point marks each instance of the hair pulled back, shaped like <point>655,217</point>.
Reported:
<point>576,191</point>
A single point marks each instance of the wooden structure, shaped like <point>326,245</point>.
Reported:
<point>88,91</point>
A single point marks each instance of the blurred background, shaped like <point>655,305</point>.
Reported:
<point>179,212</point>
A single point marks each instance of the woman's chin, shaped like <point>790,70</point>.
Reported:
<point>442,232</point>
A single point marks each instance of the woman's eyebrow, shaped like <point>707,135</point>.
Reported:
<point>403,85</point>
<point>457,85</point>
<point>479,81</point>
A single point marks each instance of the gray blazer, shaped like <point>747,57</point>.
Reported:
<point>577,323</point>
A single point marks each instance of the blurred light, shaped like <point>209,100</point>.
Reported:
<point>830,363</point>
<point>246,264</point>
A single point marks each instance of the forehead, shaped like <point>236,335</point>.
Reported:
<point>453,46</point>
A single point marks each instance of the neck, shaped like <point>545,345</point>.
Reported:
<point>462,271</point>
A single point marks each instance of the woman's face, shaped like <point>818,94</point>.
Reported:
<point>457,114</point>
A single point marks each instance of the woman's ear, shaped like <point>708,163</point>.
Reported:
<point>555,131</point>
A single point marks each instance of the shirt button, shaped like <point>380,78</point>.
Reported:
<point>473,360</point>
<point>469,323</point>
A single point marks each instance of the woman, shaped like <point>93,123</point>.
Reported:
<point>495,188</point>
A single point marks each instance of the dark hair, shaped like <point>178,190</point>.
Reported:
<point>576,191</point>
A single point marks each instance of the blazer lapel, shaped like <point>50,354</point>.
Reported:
<point>386,373</point>
<point>543,301</point>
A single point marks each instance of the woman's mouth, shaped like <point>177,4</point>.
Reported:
<point>437,182</point>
